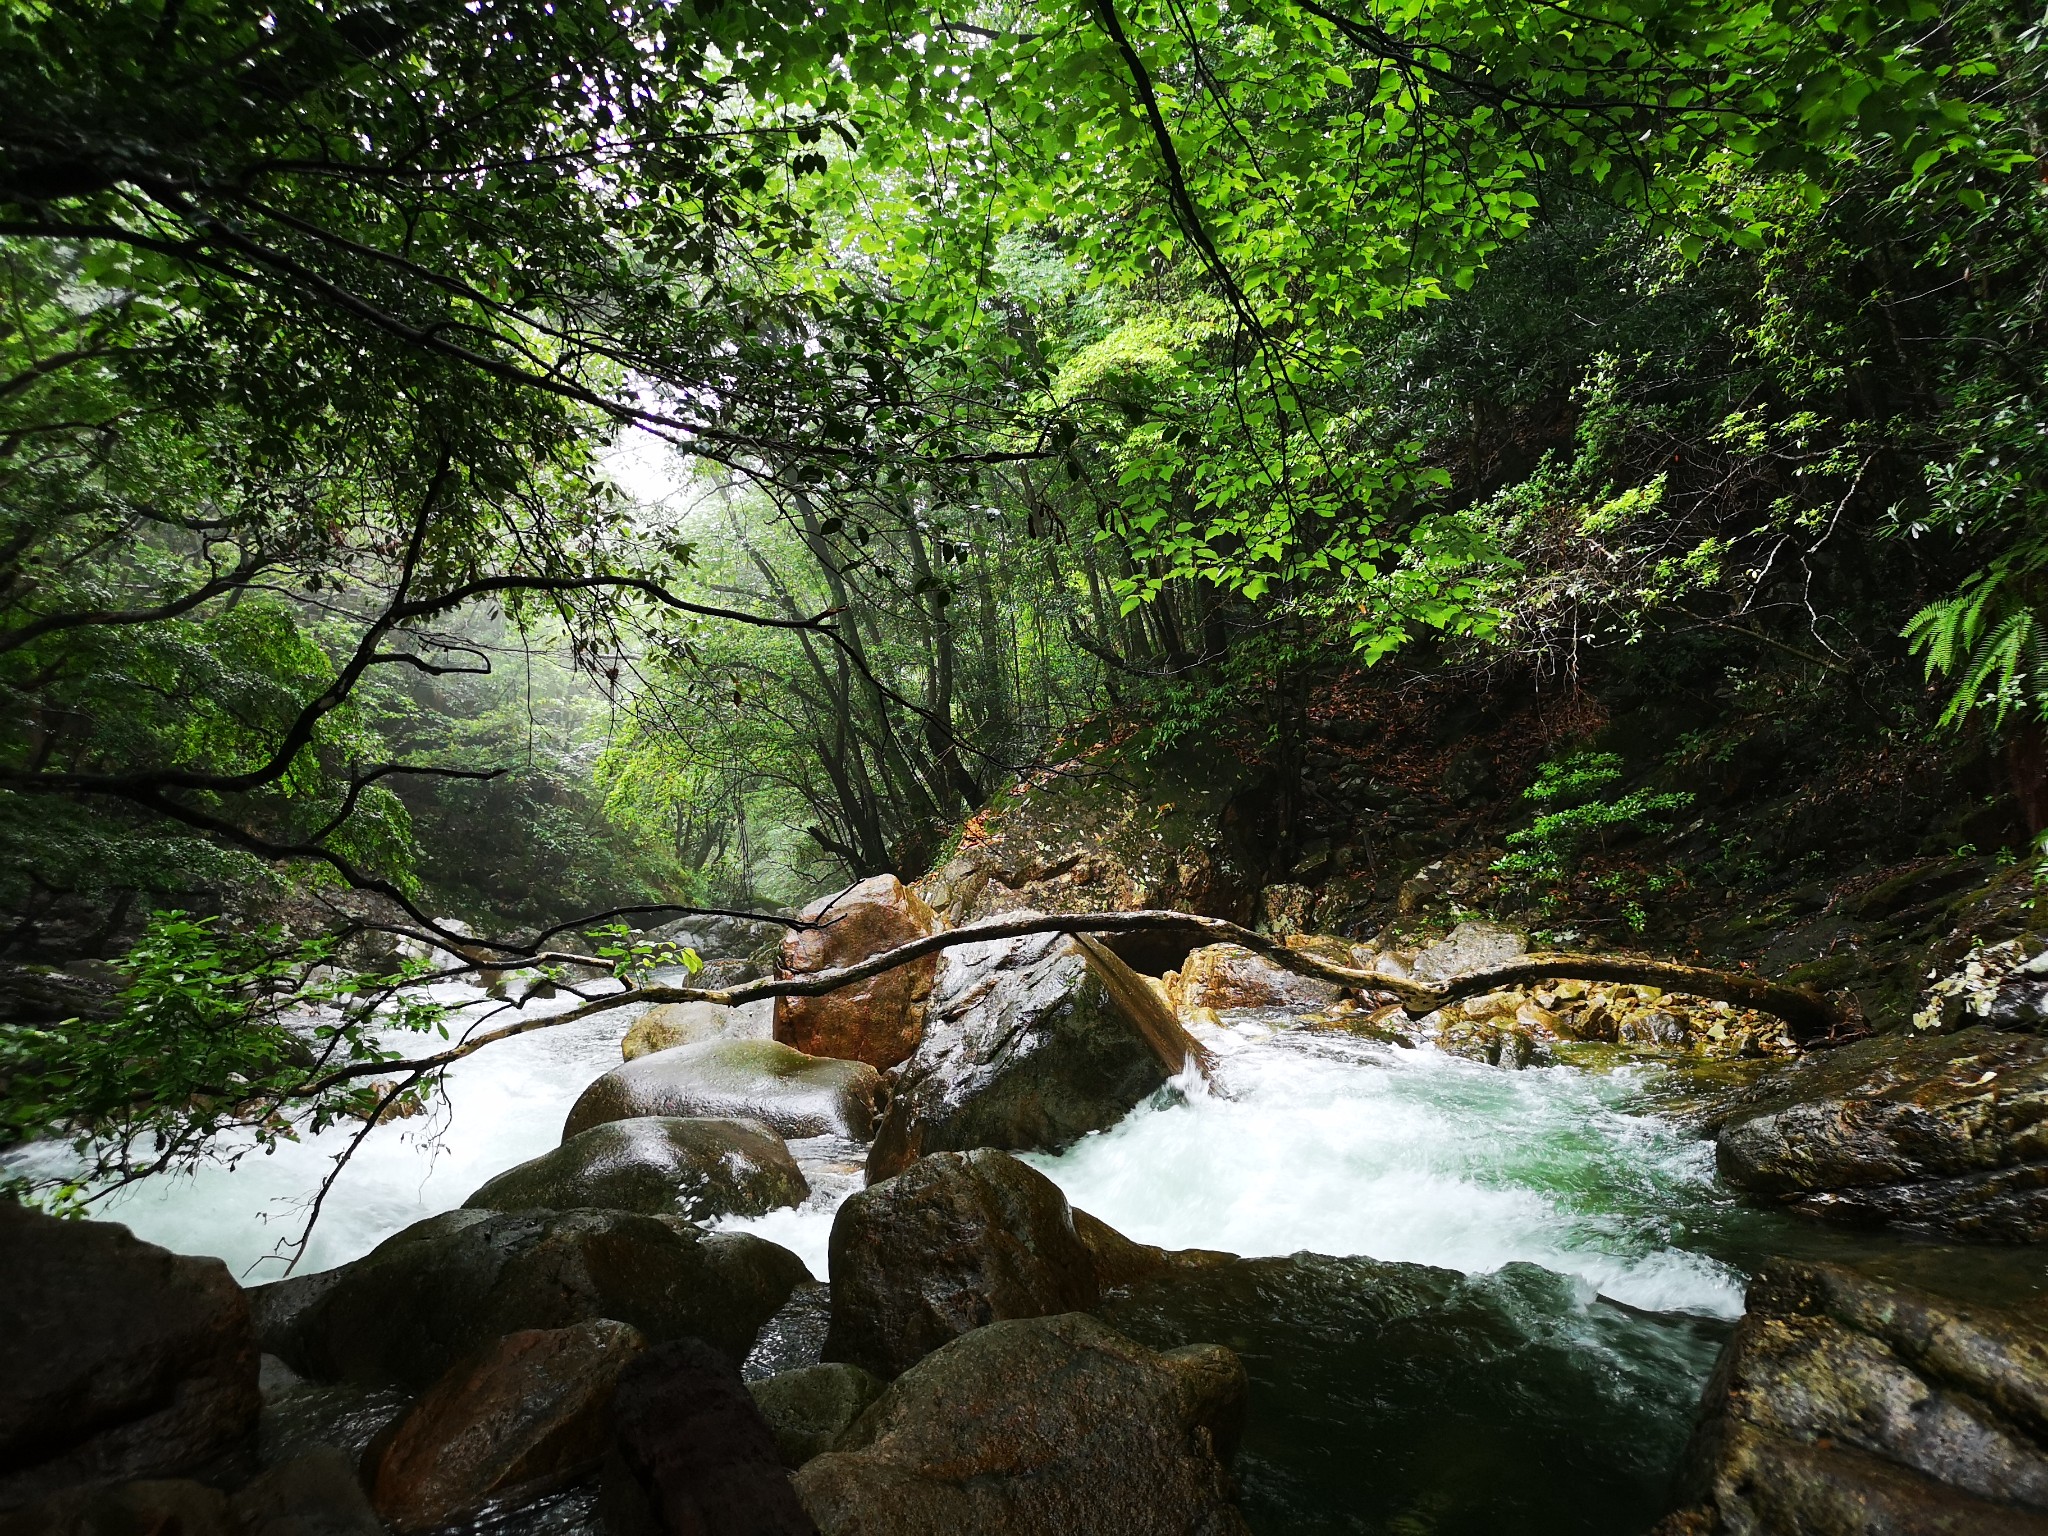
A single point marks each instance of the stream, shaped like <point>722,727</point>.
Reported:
<point>1539,1375</point>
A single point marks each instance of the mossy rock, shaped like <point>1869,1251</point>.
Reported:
<point>658,1165</point>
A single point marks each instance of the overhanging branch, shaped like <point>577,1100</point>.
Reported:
<point>1807,1013</point>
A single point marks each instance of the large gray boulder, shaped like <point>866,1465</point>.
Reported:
<point>118,1359</point>
<point>717,936</point>
<point>1843,1404</point>
<point>1028,1043</point>
<point>660,1166</point>
<point>447,1286</point>
<point>793,1094</point>
<point>1469,947</point>
<point>1051,1426</point>
<point>959,1240</point>
<point>1948,1133</point>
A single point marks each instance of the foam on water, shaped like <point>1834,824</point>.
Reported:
<point>503,1105</point>
<point>1327,1144</point>
<point>1316,1142</point>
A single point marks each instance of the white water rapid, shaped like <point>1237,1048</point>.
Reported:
<point>1328,1144</point>
<point>1317,1142</point>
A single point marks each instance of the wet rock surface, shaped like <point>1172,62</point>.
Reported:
<point>667,1025</point>
<point>658,1165</point>
<point>1940,1132</point>
<point>1844,1404</point>
<point>316,1493</point>
<point>765,1080</point>
<point>1026,1045</point>
<point>301,1416</point>
<point>691,1453</point>
<point>795,1336</point>
<point>1540,1025</point>
<point>811,1407</point>
<point>1469,947</point>
<point>1189,830</point>
<point>118,1359</point>
<point>526,1414</point>
<point>1225,976</point>
<point>169,1505</point>
<point>1053,1425</point>
<point>447,1286</point>
<point>720,938</point>
<point>880,1020</point>
<point>957,1241</point>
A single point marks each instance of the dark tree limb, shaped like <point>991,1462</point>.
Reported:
<point>1807,1013</point>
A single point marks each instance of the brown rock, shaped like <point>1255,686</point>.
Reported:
<point>118,1359</point>
<point>1120,1261</point>
<point>311,1495</point>
<point>692,1455</point>
<point>958,1240</point>
<point>524,1415</point>
<point>1051,1426</point>
<point>1223,976</point>
<point>878,1021</point>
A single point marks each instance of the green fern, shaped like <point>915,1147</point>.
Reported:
<point>1991,640</point>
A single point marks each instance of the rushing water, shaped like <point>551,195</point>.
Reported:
<point>1539,1375</point>
<point>503,1105</point>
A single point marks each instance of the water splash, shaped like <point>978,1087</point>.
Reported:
<point>503,1105</point>
<point>1327,1144</point>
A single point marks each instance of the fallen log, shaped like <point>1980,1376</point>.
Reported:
<point>1807,1013</point>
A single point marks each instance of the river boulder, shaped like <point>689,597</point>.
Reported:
<point>450,1285</point>
<point>173,1506</point>
<point>1029,1043</point>
<point>660,1165</point>
<point>880,1020</point>
<point>1843,1404</point>
<point>1225,976</point>
<point>692,1455</point>
<point>1469,947</point>
<point>1939,1132</point>
<point>720,937</point>
<point>316,1493</point>
<point>1052,1426</point>
<point>811,1407</point>
<point>524,1415</point>
<point>794,1094</point>
<point>956,1241</point>
<point>667,1025</point>
<point>118,1359</point>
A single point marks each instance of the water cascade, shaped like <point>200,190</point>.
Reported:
<point>1539,1374</point>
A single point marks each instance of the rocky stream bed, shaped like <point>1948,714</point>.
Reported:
<point>965,1253</point>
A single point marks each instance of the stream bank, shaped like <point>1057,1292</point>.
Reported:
<point>1470,1272</point>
